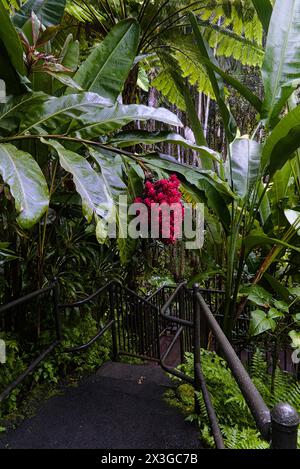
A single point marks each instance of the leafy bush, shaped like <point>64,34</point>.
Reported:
<point>77,331</point>
<point>236,422</point>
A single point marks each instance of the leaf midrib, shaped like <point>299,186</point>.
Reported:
<point>110,55</point>
<point>65,109</point>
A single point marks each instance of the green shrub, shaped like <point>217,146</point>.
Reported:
<point>236,422</point>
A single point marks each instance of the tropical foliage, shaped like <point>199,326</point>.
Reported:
<point>236,422</point>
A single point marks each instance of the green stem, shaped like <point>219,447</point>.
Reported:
<point>68,139</point>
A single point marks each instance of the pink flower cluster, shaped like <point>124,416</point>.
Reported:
<point>158,195</point>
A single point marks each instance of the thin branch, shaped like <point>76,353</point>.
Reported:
<point>141,13</point>
<point>171,16</point>
<point>151,22</point>
<point>70,139</point>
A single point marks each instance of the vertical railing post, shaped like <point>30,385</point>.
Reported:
<point>57,311</point>
<point>181,316</point>
<point>197,345</point>
<point>115,353</point>
<point>284,427</point>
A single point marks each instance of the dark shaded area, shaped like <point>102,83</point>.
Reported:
<point>121,407</point>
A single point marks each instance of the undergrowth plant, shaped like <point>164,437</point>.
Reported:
<point>236,422</point>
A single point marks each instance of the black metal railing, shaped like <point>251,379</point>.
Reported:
<point>190,316</point>
<point>53,294</point>
<point>279,426</point>
<point>133,322</point>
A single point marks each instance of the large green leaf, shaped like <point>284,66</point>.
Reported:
<point>258,239</point>
<point>111,167</point>
<point>206,184</point>
<point>264,11</point>
<point>55,114</point>
<point>245,164</point>
<point>281,67</point>
<point>216,80</point>
<point>50,12</point>
<point>27,184</point>
<point>70,54</point>
<point>283,142</point>
<point>107,67</point>
<point>278,287</point>
<point>261,322</point>
<point>11,41</point>
<point>89,184</point>
<point>280,183</point>
<point>294,219</point>
<point>107,120</point>
<point>142,137</point>
<point>13,111</point>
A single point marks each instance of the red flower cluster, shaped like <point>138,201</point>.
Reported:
<point>161,195</point>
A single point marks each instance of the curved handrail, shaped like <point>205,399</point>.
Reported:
<point>88,298</point>
<point>85,346</point>
<point>27,298</point>
<point>256,404</point>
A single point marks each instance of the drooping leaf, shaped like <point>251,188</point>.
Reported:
<point>281,305</point>
<point>141,137</point>
<point>282,143</point>
<point>273,313</point>
<point>107,120</point>
<point>245,164</point>
<point>280,184</point>
<point>281,67</point>
<point>257,239</point>
<point>12,112</point>
<point>89,184</point>
<point>11,41</point>
<point>277,287</point>
<point>26,182</point>
<point>65,80</point>
<point>107,67</point>
<point>111,168</point>
<point>55,114</point>
<point>49,12</point>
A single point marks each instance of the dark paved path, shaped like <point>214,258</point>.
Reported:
<point>119,407</point>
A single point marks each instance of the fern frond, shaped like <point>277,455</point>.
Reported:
<point>228,44</point>
<point>193,69</point>
<point>245,438</point>
<point>166,85</point>
<point>82,13</point>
